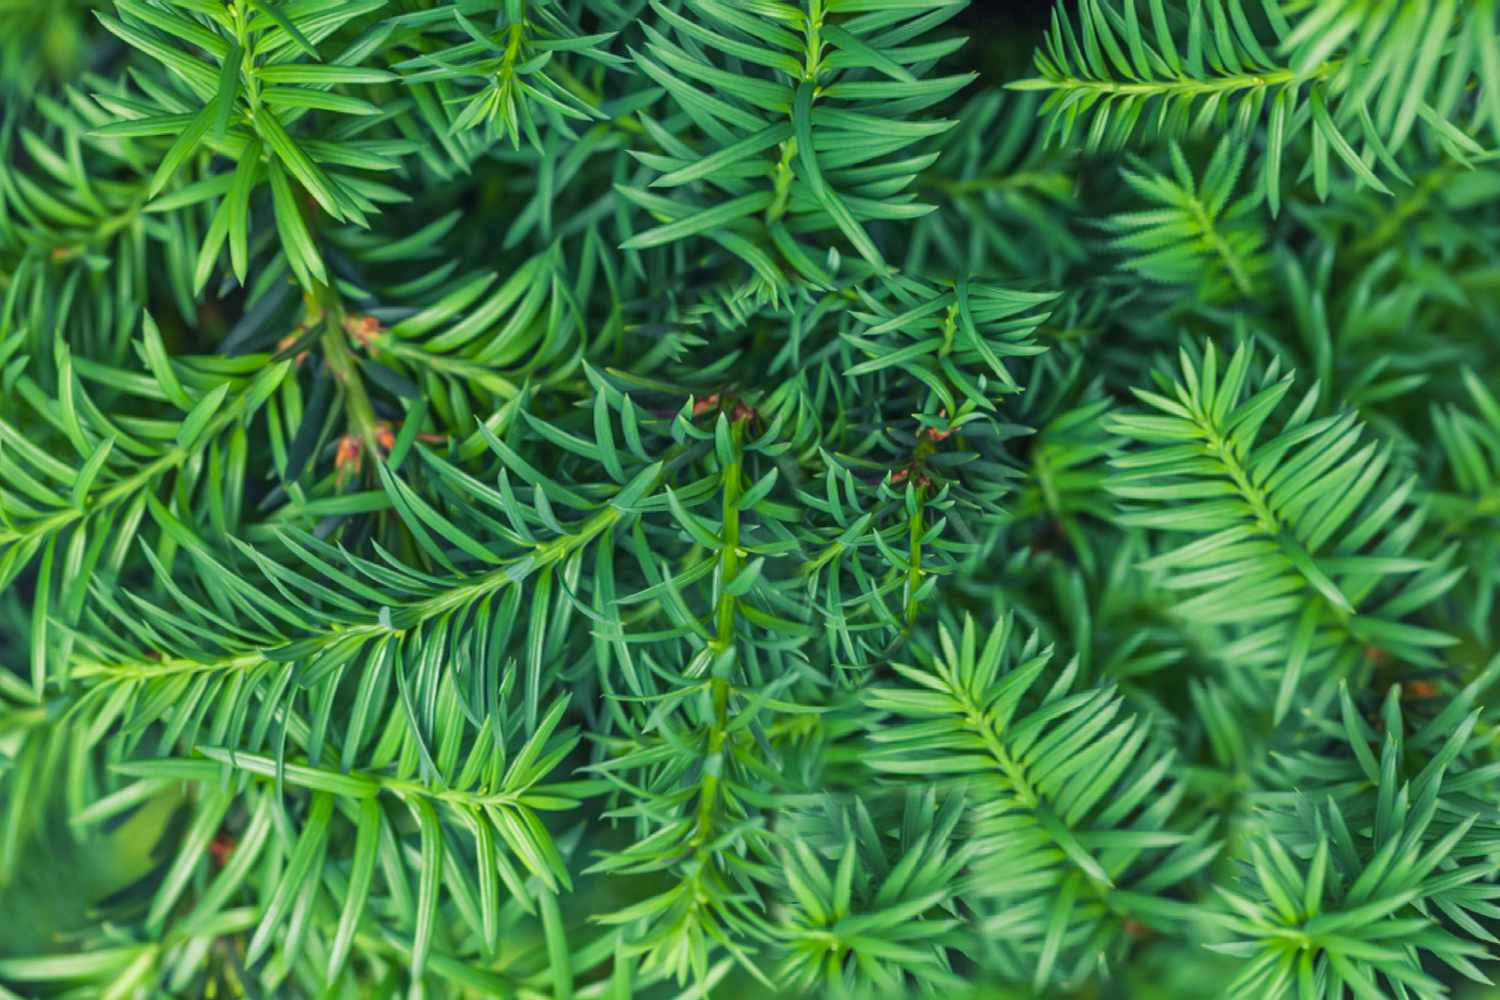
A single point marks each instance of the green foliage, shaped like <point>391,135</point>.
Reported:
<point>1068,793</point>
<point>684,498</point>
<point>1295,532</point>
<point>1359,77</point>
<point>1197,233</point>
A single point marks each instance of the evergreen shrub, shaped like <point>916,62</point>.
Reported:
<point>749,498</point>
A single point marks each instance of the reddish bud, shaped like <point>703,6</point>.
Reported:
<point>221,847</point>
<point>362,329</point>
<point>1419,690</point>
<point>348,457</point>
<point>285,344</point>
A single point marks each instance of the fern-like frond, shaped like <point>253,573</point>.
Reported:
<point>1357,78</point>
<point>238,82</point>
<point>867,919</point>
<point>1301,528</point>
<point>1072,808</point>
<point>811,105</point>
<point>1338,897</point>
<point>496,73</point>
<point>1198,234</point>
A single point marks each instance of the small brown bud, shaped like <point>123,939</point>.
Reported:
<point>1419,690</point>
<point>362,329</point>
